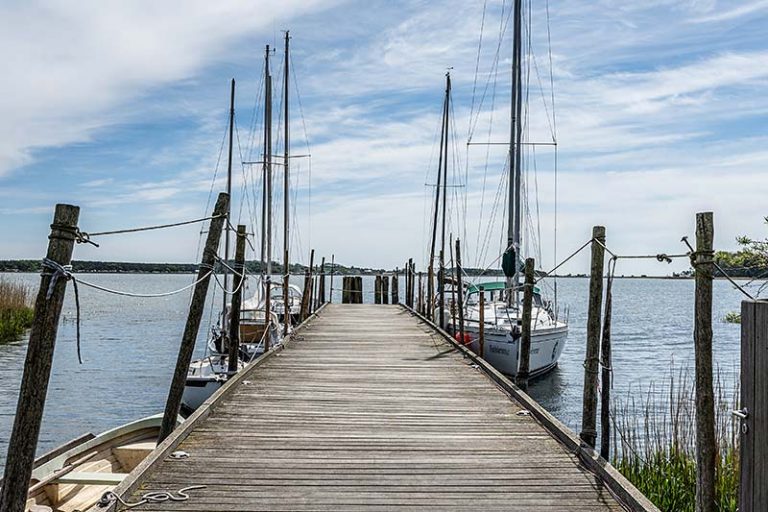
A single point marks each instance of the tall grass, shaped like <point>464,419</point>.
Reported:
<point>655,440</point>
<point>15,309</point>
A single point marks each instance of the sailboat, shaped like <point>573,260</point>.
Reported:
<point>502,312</point>
<point>264,320</point>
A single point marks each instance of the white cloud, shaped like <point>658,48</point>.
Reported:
<point>72,68</point>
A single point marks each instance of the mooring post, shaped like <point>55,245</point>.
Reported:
<point>395,287</point>
<point>385,289</point>
<point>413,283</point>
<point>377,290</point>
<point>237,298</point>
<point>420,301</point>
<point>460,292</point>
<point>441,291</point>
<point>592,357</point>
<point>306,295</point>
<point>267,311</point>
<point>344,290</point>
<point>706,444</point>
<point>481,323</point>
<point>321,285</point>
<point>359,289</point>
<point>524,363</point>
<point>173,403</point>
<point>607,369</point>
<point>37,366</point>
<point>330,295</point>
<point>753,489</point>
<point>429,303</point>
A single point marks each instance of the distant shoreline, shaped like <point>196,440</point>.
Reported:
<point>361,273</point>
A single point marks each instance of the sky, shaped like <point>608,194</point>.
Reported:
<point>660,111</point>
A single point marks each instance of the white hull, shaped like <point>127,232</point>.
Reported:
<point>501,350</point>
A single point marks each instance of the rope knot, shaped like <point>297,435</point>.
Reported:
<point>64,272</point>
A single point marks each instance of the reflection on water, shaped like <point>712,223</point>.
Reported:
<point>130,347</point>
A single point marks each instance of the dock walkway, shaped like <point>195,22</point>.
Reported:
<point>368,408</point>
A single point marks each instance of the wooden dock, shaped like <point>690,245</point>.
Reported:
<point>370,408</point>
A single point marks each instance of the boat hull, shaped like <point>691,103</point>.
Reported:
<point>501,349</point>
<point>198,390</point>
<point>76,477</point>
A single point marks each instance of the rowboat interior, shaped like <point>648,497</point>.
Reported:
<point>75,478</point>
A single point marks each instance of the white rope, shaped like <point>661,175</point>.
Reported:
<point>151,497</point>
<point>144,295</point>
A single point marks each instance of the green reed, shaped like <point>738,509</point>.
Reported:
<point>15,309</point>
<point>655,440</point>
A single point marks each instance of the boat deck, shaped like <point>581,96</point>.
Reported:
<point>368,408</point>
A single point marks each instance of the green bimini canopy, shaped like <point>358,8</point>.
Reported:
<point>493,286</point>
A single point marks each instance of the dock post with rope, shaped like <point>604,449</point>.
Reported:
<point>706,443</point>
<point>592,356</point>
<point>39,360</point>
<point>187,347</point>
<point>523,371</point>
<point>233,332</point>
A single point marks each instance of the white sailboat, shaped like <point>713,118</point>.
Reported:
<point>264,319</point>
<point>502,313</point>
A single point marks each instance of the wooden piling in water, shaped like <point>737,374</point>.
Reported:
<point>412,288</point>
<point>385,289</point>
<point>706,444</point>
<point>753,488</point>
<point>233,332</point>
<point>377,290</point>
<point>37,365</point>
<point>429,303</point>
<point>321,284</point>
<point>345,289</point>
<point>606,376</point>
<point>420,301</point>
<point>306,295</point>
<point>173,403</point>
<point>524,364</point>
<point>460,284</point>
<point>592,358</point>
<point>333,261</point>
<point>359,289</point>
<point>395,288</point>
<point>481,323</point>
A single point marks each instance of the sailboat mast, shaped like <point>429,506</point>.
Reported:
<point>286,196</point>
<point>268,164</point>
<point>446,124</point>
<point>229,192</point>
<point>437,203</point>
<point>264,166</point>
<point>515,136</point>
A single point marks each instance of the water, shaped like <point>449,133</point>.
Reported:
<point>130,346</point>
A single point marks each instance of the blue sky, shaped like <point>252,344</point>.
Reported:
<point>661,108</point>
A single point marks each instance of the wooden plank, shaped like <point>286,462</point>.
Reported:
<point>387,416</point>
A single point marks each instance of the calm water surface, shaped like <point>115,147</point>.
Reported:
<point>130,347</point>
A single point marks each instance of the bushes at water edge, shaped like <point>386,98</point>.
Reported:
<point>15,309</point>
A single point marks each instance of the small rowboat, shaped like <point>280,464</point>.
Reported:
<point>75,476</point>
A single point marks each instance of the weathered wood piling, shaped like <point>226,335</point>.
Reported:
<point>524,367</point>
<point>592,357</point>
<point>187,347</point>
<point>706,443</point>
<point>37,365</point>
<point>234,317</point>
